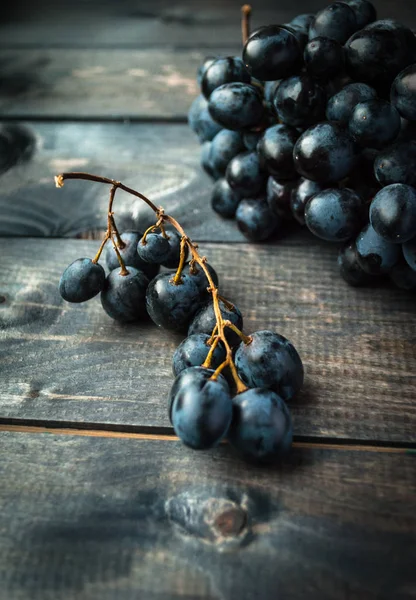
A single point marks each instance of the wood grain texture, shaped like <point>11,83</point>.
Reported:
<point>70,364</point>
<point>186,23</point>
<point>158,159</point>
<point>101,519</point>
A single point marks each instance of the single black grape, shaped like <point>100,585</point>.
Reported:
<point>303,21</point>
<point>403,93</point>
<point>225,145</point>
<point>396,164</point>
<point>377,53</point>
<point>261,429</point>
<point>409,253</point>
<point>299,101</point>
<point>364,11</point>
<point>171,305</point>
<point>270,361</point>
<point>336,21</point>
<point>279,195</point>
<point>272,52</point>
<point>193,351</point>
<point>206,163</point>
<point>375,255</point>
<point>224,70</point>
<point>236,106</point>
<point>255,219</point>
<point>334,215</point>
<point>201,121</point>
<point>124,296</point>
<point>349,267</point>
<point>393,213</point>
<point>374,123</point>
<point>129,255</point>
<point>224,200</point>
<point>174,240</point>
<point>325,153</point>
<point>205,321</point>
<point>81,280</point>
<point>403,276</point>
<point>324,58</point>
<point>154,249</point>
<point>275,150</point>
<point>200,279</point>
<point>201,410</point>
<point>342,104</point>
<point>302,191</point>
<point>245,175</point>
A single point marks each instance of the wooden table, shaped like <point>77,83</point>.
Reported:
<point>98,499</point>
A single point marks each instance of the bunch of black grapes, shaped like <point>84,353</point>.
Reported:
<point>317,123</point>
<point>204,405</point>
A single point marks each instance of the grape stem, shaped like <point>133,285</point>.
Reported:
<point>245,22</point>
<point>162,218</point>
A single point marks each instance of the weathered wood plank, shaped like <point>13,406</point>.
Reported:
<point>109,518</point>
<point>72,364</point>
<point>188,23</point>
<point>160,160</point>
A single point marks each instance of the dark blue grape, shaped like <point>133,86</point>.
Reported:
<point>275,150</point>
<point>403,276</point>
<point>261,429</point>
<point>409,253</point>
<point>224,70</point>
<point>303,21</point>
<point>129,255</point>
<point>336,21</point>
<point>374,124</point>
<point>202,68</point>
<point>174,240</point>
<point>272,52</point>
<point>349,267</point>
<point>377,53</point>
<point>324,58</point>
<point>374,254</point>
<point>245,175</point>
<point>279,195</point>
<point>299,101</point>
<point>81,280</point>
<point>171,305</point>
<point>393,213</point>
<point>364,11</point>
<point>325,153</point>
<point>270,361</point>
<point>200,120</point>
<point>236,106</point>
<point>206,163</point>
<point>342,104</point>
<point>124,296</point>
<point>403,93</point>
<point>255,219</point>
<point>205,321</point>
<point>396,164</point>
<point>193,351</point>
<point>334,215</point>
<point>224,200</point>
<point>301,192</point>
<point>200,279</point>
<point>155,249</point>
<point>201,410</point>
<point>225,145</point>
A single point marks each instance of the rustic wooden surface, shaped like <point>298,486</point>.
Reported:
<point>130,518</point>
<point>98,499</point>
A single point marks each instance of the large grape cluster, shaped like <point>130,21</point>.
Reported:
<point>227,384</point>
<point>316,122</point>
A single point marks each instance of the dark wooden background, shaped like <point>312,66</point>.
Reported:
<point>98,499</point>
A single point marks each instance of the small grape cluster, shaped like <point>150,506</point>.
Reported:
<point>227,384</point>
<point>316,123</point>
